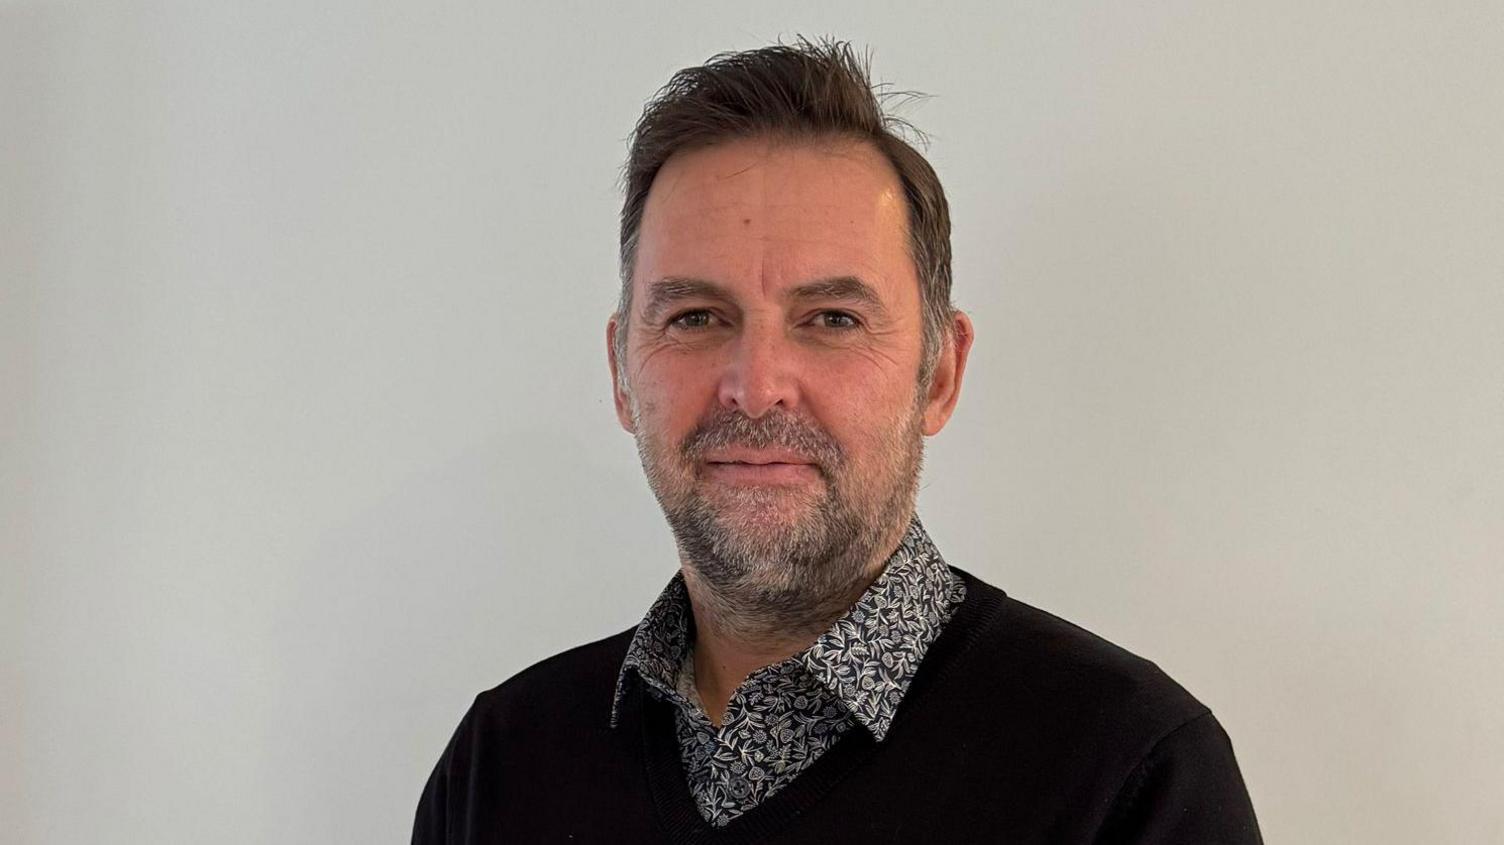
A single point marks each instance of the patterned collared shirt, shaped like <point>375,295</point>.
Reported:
<point>783,717</point>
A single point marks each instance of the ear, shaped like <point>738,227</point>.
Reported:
<point>623,404</point>
<point>945,384</point>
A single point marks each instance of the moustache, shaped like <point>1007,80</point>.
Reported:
<point>727,428</point>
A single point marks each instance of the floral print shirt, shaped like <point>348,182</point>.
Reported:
<point>783,717</point>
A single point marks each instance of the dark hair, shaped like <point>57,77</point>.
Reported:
<point>805,90</point>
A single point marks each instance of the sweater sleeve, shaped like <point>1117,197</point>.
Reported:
<point>435,822</point>
<point>1187,789</point>
<point>429,823</point>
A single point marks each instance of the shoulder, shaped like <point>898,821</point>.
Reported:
<point>1073,714</point>
<point>579,681</point>
<point>1053,672</point>
<point>521,738</point>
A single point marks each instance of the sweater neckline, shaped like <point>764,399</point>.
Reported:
<point>674,803</point>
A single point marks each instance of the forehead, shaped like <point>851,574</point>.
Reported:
<point>767,213</point>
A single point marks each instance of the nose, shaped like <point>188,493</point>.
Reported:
<point>759,373</point>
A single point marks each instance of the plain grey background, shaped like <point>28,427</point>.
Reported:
<point>305,429</point>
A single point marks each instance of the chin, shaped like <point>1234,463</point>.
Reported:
<point>760,508</point>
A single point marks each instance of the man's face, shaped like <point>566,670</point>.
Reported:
<point>772,362</point>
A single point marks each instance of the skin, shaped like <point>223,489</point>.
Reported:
<point>763,363</point>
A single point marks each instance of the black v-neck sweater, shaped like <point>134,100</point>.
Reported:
<point>1019,727</point>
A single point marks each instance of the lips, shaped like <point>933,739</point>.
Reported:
<point>740,466</point>
<point>774,473</point>
<point>756,457</point>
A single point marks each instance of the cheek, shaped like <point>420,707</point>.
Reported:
<point>869,425</point>
<point>668,408</point>
<point>863,397</point>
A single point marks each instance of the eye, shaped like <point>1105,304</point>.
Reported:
<point>697,319</point>
<point>837,320</point>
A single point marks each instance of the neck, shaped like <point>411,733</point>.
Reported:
<point>725,654</point>
<point>733,641</point>
<point>722,661</point>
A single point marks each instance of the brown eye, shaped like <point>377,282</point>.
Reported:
<point>837,320</point>
<point>691,320</point>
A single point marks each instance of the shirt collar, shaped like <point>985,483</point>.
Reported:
<point>867,658</point>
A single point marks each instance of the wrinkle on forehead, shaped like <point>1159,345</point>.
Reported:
<point>746,160</point>
<point>776,212</point>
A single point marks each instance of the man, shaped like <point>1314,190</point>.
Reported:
<point>816,672</point>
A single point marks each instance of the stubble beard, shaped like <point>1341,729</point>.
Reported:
<point>774,563</point>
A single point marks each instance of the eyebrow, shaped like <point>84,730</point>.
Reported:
<point>663,293</point>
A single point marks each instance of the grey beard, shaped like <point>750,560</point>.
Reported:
<point>775,585</point>
<point>770,586</point>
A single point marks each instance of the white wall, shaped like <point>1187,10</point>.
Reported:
<point>305,434</point>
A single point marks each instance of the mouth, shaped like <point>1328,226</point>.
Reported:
<point>761,469</point>
<point>761,474</point>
